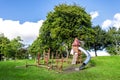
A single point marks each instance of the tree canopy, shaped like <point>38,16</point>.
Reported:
<point>62,25</point>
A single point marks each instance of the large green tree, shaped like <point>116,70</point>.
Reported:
<point>62,25</point>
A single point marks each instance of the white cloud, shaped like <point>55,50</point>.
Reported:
<point>115,22</point>
<point>28,31</point>
<point>106,24</point>
<point>117,16</point>
<point>94,14</point>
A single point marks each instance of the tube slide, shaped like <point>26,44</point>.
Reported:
<point>86,60</point>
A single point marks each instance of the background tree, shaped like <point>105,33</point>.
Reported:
<point>35,47</point>
<point>4,41</point>
<point>22,53</point>
<point>15,45</point>
<point>97,39</point>
<point>114,37</point>
<point>12,48</point>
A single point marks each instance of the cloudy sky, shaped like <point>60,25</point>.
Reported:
<point>24,17</point>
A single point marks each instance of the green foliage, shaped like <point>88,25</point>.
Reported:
<point>35,47</point>
<point>114,38</point>
<point>96,39</point>
<point>15,46</point>
<point>62,25</point>
<point>3,44</point>
<point>10,48</point>
<point>22,53</point>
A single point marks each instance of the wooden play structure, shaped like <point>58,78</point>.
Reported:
<point>50,64</point>
<point>57,62</point>
<point>77,54</point>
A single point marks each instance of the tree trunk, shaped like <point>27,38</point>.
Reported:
<point>95,52</point>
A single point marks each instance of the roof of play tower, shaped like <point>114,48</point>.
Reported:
<point>76,42</point>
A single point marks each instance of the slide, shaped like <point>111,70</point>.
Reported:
<point>88,57</point>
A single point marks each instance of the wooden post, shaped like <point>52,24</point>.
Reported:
<point>57,59</point>
<point>49,53</point>
<point>61,65</point>
<point>46,58</point>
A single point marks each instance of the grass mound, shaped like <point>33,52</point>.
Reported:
<point>99,68</point>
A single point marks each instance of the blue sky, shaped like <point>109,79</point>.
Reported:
<point>34,10</point>
<point>24,13</point>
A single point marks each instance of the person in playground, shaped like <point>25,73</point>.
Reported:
<point>76,51</point>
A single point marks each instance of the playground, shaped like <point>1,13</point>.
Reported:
<point>60,63</point>
<point>78,66</point>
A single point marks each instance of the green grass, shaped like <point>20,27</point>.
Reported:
<point>99,68</point>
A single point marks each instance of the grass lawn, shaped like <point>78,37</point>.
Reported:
<point>103,68</point>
